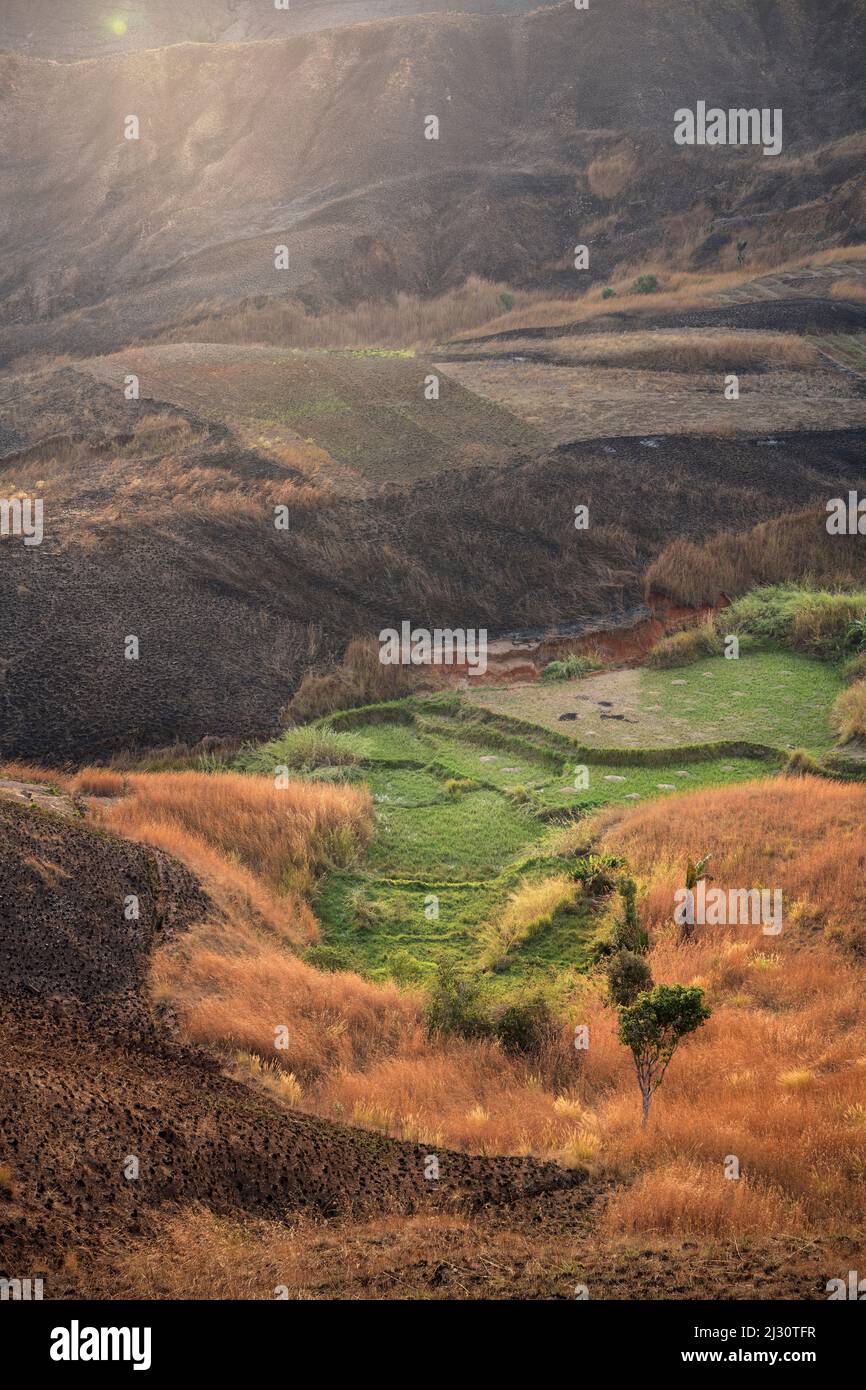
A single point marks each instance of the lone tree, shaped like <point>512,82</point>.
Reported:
<point>652,1027</point>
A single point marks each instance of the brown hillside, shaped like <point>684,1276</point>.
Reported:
<point>555,127</point>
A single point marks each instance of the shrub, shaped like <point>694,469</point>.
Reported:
<point>682,647</point>
<point>628,975</point>
<point>628,934</point>
<point>594,872</point>
<point>302,750</point>
<point>455,1007</point>
<point>801,763</point>
<point>855,668</point>
<point>848,716</point>
<point>855,637</point>
<point>404,968</point>
<point>572,668</point>
<point>608,293</point>
<point>645,284</point>
<point>526,1027</point>
<point>507,300</point>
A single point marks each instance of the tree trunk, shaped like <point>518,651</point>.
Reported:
<point>647,1097</point>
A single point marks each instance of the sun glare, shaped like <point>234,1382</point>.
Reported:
<point>118,25</point>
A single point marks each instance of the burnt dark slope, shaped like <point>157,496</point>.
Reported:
<point>229,612</point>
<point>551,123</point>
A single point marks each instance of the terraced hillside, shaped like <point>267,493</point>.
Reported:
<point>470,805</point>
<point>365,413</point>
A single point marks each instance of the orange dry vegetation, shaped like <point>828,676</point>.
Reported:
<point>789,549</point>
<point>776,1077</point>
<point>257,847</point>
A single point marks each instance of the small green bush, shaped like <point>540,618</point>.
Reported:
<point>608,293</point>
<point>507,300</point>
<point>855,637</point>
<point>628,975</point>
<point>302,749</point>
<point>572,668</point>
<point>628,934</point>
<point>525,1027</point>
<point>645,284</point>
<point>456,1006</point>
<point>594,872</point>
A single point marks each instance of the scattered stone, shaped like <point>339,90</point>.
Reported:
<point>511,769</point>
<point>666,786</point>
<point>679,682</point>
<point>682,774</point>
<point>568,716</point>
<point>488,758</point>
<point>632,796</point>
<point>610,777</point>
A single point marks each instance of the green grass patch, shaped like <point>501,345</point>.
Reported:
<point>778,698</point>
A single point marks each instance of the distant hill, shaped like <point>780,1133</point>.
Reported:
<point>556,127</point>
<point>78,29</point>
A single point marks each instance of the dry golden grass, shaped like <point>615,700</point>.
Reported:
<point>195,1254</point>
<point>282,835</point>
<point>683,350</point>
<point>406,321</point>
<point>848,716</point>
<point>679,290</point>
<point>32,772</point>
<point>97,781</point>
<point>849,289</point>
<point>256,847</point>
<point>776,1077</point>
<point>361,679</point>
<point>794,548</point>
